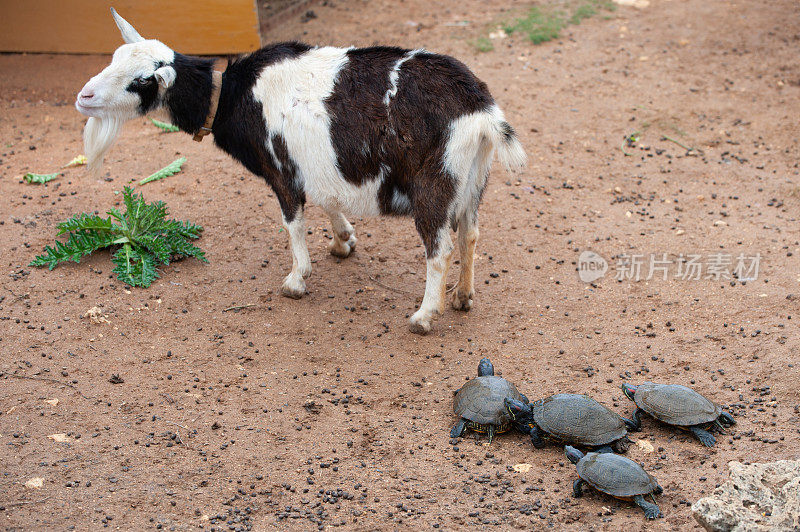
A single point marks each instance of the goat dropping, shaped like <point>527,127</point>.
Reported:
<point>358,131</point>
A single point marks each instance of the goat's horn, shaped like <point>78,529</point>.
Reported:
<point>129,34</point>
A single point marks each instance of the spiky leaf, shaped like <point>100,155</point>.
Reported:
<point>39,178</point>
<point>134,267</point>
<point>78,244</point>
<point>172,168</point>
<point>83,221</point>
<point>167,128</point>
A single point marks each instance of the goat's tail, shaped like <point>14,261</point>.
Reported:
<point>508,147</point>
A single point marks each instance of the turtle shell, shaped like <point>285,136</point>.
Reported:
<point>675,404</point>
<point>616,475</point>
<point>578,419</point>
<point>481,400</point>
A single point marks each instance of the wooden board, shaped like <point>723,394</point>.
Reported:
<point>200,27</point>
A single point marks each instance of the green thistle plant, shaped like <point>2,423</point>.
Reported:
<point>163,126</point>
<point>172,168</point>
<point>143,237</point>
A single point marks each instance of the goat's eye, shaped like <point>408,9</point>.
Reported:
<point>141,80</point>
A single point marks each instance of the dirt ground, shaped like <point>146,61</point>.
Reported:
<point>327,411</point>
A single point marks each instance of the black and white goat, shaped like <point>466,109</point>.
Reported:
<point>358,131</point>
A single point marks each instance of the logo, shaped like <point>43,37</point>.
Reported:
<point>591,266</point>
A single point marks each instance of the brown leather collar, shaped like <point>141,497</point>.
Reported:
<point>216,85</point>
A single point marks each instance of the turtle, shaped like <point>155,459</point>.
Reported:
<point>480,406</point>
<point>615,475</point>
<point>680,406</point>
<point>571,418</point>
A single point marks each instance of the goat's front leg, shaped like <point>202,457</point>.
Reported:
<point>294,284</point>
<point>344,241</point>
<point>438,262</point>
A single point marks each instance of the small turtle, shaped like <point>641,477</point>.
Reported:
<point>680,406</point>
<point>617,476</point>
<point>571,418</point>
<point>479,403</point>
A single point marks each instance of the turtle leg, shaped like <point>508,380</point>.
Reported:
<point>636,419</point>
<point>523,428</point>
<point>605,449</point>
<point>577,487</point>
<point>726,418</point>
<point>632,427</point>
<point>719,427</point>
<point>621,445</point>
<point>524,399</point>
<point>458,428</point>
<point>651,510</point>
<point>490,431</point>
<point>536,437</point>
<point>705,437</point>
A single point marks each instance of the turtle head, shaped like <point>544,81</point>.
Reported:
<point>485,368</point>
<point>573,454</point>
<point>517,409</point>
<point>629,390</point>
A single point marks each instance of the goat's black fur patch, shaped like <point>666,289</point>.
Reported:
<point>189,98</point>
<point>239,128</point>
<point>147,91</point>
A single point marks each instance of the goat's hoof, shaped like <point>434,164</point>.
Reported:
<point>342,248</point>
<point>293,288</point>
<point>462,301</point>
<point>419,324</point>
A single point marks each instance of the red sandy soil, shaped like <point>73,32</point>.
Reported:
<point>327,411</point>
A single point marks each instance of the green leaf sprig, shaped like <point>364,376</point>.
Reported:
<point>163,126</point>
<point>172,168</point>
<point>39,178</point>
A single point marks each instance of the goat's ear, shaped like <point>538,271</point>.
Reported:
<point>129,34</point>
<point>166,76</point>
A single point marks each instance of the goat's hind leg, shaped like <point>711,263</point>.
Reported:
<point>344,240</point>
<point>439,250</point>
<point>294,284</point>
<point>467,240</point>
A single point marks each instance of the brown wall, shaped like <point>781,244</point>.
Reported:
<point>199,27</point>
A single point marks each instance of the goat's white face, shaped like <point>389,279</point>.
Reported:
<point>117,90</point>
<point>133,84</point>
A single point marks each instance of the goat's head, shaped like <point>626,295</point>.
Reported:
<point>133,84</point>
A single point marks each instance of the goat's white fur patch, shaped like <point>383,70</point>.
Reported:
<point>294,284</point>
<point>292,93</point>
<point>394,75</point>
<point>472,141</point>
<point>400,202</point>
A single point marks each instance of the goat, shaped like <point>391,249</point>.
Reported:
<point>358,131</point>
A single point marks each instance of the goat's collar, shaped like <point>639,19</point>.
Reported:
<point>216,85</point>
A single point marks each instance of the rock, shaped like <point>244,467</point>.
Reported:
<point>645,446</point>
<point>757,497</point>
<point>35,483</point>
